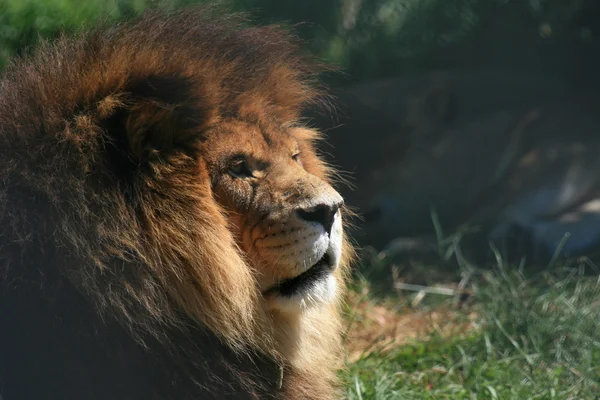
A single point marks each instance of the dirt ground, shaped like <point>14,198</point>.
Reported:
<point>380,327</point>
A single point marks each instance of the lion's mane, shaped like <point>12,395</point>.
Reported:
<point>120,275</point>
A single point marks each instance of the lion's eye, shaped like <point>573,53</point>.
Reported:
<point>240,169</point>
<point>296,156</point>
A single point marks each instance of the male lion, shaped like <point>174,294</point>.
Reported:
<point>167,230</point>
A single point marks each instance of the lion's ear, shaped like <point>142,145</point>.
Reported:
<point>153,128</point>
<point>157,115</point>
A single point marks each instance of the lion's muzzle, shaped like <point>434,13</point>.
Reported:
<point>304,252</point>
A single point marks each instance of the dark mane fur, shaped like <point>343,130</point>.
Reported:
<point>101,201</point>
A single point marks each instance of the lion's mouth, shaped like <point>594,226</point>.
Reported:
<point>304,281</point>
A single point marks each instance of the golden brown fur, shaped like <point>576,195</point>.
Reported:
<point>114,149</point>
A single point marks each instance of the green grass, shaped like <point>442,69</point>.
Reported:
<point>24,22</point>
<point>535,337</point>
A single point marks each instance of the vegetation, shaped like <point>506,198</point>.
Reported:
<point>522,336</point>
<point>369,38</point>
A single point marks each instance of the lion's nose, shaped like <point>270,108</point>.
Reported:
<point>321,213</point>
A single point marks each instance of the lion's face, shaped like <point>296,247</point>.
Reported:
<point>285,216</point>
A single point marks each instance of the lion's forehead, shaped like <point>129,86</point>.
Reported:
<point>256,138</point>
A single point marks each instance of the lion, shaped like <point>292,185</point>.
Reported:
<point>167,227</point>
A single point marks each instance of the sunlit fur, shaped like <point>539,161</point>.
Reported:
<point>119,141</point>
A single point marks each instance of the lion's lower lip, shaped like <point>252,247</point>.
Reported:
<point>303,281</point>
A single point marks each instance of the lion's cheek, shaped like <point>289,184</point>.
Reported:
<point>292,257</point>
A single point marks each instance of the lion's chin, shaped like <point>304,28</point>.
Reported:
<point>319,292</point>
<point>314,287</point>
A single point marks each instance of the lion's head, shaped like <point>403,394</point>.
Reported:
<point>286,216</point>
<point>163,168</point>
